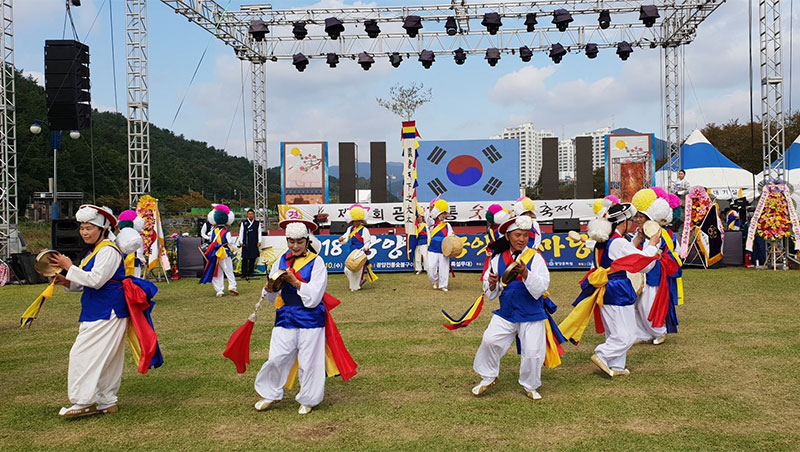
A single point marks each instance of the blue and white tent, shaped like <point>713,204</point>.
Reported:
<point>706,166</point>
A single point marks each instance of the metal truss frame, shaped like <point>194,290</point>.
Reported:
<point>773,143</point>
<point>138,100</point>
<point>8,134</point>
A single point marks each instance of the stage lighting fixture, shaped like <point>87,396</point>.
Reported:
<point>624,50</point>
<point>299,30</point>
<point>525,54</point>
<point>258,28</point>
<point>605,19</point>
<point>427,58</point>
<point>557,52</point>
<point>412,24</point>
<point>492,22</point>
<point>395,59</point>
<point>332,59</point>
<point>450,26</point>
<point>591,50</point>
<point>365,60</point>
<point>76,2</point>
<point>460,56</point>
<point>648,15</point>
<point>492,56</point>
<point>333,27</point>
<point>372,28</point>
<point>300,61</point>
<point>562,18</point>
<point>530,21</point>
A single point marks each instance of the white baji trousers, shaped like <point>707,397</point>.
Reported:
<point>438,269</point>
<point>354,278</point>
<point>620,325</point>
<point>225,270</point>
<point>95,362</point>
<point>497,339</point>
<point>420,258</point>
<point>307,346</point>
<point>644,328</point>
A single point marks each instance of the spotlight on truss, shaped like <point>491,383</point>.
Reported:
<point>562,18</point>
<point>460,56</point>
<point>332,59</point>
<point>530,21</point>
<point>591,50</point>
<point>412,25</point>
<point>372,28</point>
<point>525,54</point>
<point>557,52</point>
<point>365,60</point>
<point>450,26</point>
<point>648,15</point>
<point>604,19</point>
<point>395,58</point>
<point>624,50</point>
<point>492,56</point>
<point>492,22</point>
<point>300,61</point>
<point>333,27</point>
<point>299,30</point>
<point>258,28</point>
<point>426,57</point>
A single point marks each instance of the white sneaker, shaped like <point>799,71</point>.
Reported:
<point>534,395</point>
<point>478,390</point>
<point>304,409</point>
<point>265,404</point>
<point>444,289</point>
<point>659,340</point>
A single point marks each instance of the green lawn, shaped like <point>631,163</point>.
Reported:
<point>729,381</point>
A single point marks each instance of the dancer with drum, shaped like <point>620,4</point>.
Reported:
<point>357,267</point>
<point>438,263</point>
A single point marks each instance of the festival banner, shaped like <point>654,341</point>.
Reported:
<point>630,164</point>
<point>460,212</point>
<point>304,172</point>
<point>410,144</point>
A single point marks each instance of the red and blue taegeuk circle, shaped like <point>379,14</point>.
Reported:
<point>464,170</point>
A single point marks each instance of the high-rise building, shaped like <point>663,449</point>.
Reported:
<point>566,160</point>
<point>530,150</point>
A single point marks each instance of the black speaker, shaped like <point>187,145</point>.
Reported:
<point>22,264</point>
<point>583,168</point>
<point>566,224</point>
<point>377,170</point>
<point>65,238</point>
<point>66,81</point>
<point>338,227</point>
<point>347,173</point>
<point>550,168</point>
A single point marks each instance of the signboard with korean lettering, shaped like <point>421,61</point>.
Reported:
<point>468,170</point>
<point>304,172</point>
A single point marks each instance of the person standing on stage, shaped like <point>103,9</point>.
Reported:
<point>438,264</point>
<point>250,241</point>
<point>357,237</point>
<point>526,206</point>
<point>682,185</point>
<point>219,264</point>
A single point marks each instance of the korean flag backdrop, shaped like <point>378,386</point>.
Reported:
<point>468,170</point>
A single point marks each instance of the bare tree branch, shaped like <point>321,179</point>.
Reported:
<point>405,100</point>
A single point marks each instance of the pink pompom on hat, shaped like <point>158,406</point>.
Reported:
<point>494,208</point>
<point>127,215</point>
<point>612,198</point>
<point>223,208</point>
<point>660,192</point>
<point>673,200</point>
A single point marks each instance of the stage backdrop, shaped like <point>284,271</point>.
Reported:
<point>304,172</point>
<point>468,170</point>
<point>630,164</point>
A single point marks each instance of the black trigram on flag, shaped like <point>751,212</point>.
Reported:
<point>492,186</point>
<point>437,187</point>
<point>491,154</point>
<point>436,155</point>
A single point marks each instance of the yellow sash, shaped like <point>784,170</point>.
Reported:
<point>297,265</point>
<point>436,230</point>
<point>671,248</point>
<point>574,325</point>
<point>354,231</point>
<point>130,264</point>
<point>97,248</point>
<point>221,253</point>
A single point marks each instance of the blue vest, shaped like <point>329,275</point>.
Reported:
<point>251,240</point>
<point>96,304</point>
<point>619,291</point>
<point>293,314</point>
<point>435,240</point>
<point>516,303</point>
<point>356,244</point>
<point>223,239</point>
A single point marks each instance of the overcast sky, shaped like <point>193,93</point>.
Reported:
<point>469,101</point>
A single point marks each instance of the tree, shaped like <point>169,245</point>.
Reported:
<point>405,100</point>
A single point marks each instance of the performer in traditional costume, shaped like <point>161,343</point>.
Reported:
<point>129,241</point>
<point>655,306</point>
<point>250,241</point>
<point>420,249</point>
<point>218,255</point>
<point>606,288</point>
<point>526,206</point>
<point>523,313</point>
<point>303,326</point>
<point>438,263</point>
<point>358,238</point>
<point>496,215</point>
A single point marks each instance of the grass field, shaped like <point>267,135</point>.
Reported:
<point>729,381</point>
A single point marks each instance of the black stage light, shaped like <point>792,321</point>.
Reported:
<point>258,28</point>
<point>557,52</point>
<point>492,22</point>
<point>605,19</point>
<point>395,59</point>
<point>300,61</point>
<point>372,28</point>
<point>333,27</point>
<point>299,30</point>
<point>450,26</point>
<point>412,24</point>
<point>492,56</point>
<point>591,50</point>
<point>525,54</point>
<point>76,2</point>
<point>332,59</point>
<point>562,18</point>
<point>365,60</point>
<point>624,50</point>
<point>460,56</point>
<point>648,15</point>
<point>530,21</point>
<point>427,58</point>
